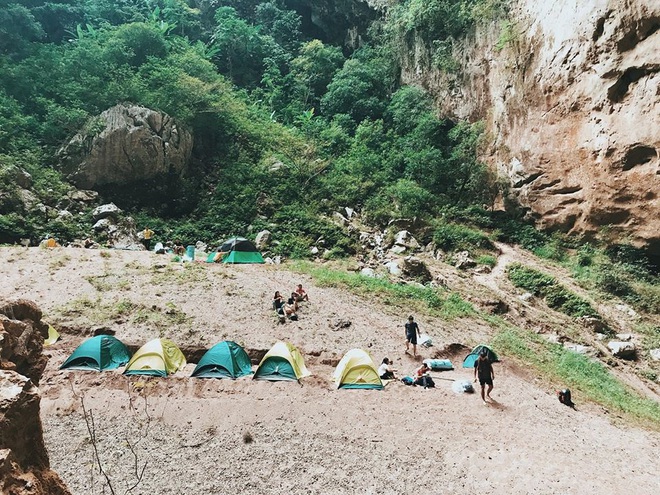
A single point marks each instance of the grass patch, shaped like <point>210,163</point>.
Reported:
<point>487,259</point>
<point>422,298</point>
<point>188,273</point>
<point>590,379</point>
<point>124,310</point>
<point>556,295</point>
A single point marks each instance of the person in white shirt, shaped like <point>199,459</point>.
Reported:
<point>385,370</point>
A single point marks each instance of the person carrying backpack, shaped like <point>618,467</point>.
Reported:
<point>483,370</point>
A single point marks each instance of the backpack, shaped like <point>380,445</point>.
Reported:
<point>407,380</point>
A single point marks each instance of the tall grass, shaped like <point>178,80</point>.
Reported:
<point>422,298</point>
<point>590,379</point>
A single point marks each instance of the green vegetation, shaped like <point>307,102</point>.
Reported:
<point>546,286</point>
<point>589,378</point>
<point>410,296</point>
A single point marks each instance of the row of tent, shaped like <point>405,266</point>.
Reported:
<point>227,359</point>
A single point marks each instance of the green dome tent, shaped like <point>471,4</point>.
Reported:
<point>240,250</point>
<point>158,357</point>
<point>224,360</point>
<point>103,352</point>
<point>283,362</point>
<point>471,358</point>
<point>356,370</point>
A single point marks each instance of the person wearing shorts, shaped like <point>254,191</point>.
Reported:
<point>483,370</point>
<point>412,332</point>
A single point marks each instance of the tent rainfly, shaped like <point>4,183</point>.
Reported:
<point>226,359</point>
<point>282,362</point>
<point>356,370</point>
<point>103,352</point>
<point>158,357</point>
<point>471,358</point>
<point>240,250</point>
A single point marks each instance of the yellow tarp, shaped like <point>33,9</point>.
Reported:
<point>158,355</point>
<point>53,336</point>
<point>357,370</point>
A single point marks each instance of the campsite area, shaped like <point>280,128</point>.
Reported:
<point>179,435</point>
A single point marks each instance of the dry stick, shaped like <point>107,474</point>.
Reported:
<point>138,475</point>
<point>89,421</point>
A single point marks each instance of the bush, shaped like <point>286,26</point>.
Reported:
<point>453,237</point>
<point>532,280</point>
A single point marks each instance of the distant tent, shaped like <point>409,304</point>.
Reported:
<point>240,250</point>
<point>224,360</point>
<point>53,336</point>
<point>469,360</point>
<point>158,357</point>
<point>103,352</point>
<point>282,362</point>
<point>356,370</point>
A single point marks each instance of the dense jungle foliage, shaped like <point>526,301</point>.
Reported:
<point>279,113</point>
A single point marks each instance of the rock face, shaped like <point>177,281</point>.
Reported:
<point>573,106</point>
<point>134,144</point>
<point>24,464</point>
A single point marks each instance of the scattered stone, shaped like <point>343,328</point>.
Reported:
<point>368,272</point>
<point>623,350</point>
<point>415,268</point>
<point>262,241</point>
<point>340,219</point>
<point>526,297</point>
<point>349,212</point>
<point>83,195</point>
<point>65,215</point>
<point>463,260</point>
<point>201,247</point>
<point>110,210</point>
<point>494,306</point>
<point>624,337</point>
<point>314,250</point>
<point>483,269</point>
<point>393,267</point>
<point>593,323</point>
<point>405,239</point>
<point>340,324</point>
<point>655,354</point>
<point>624,308</point>
<point>396,249</point>
<point>580,349</point>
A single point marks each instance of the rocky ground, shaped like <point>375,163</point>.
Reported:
<point>187,436</point>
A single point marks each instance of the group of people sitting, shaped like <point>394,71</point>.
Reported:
<point>288,308</point>
<point>421,376</point>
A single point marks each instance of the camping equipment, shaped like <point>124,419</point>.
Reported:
<point>439,364</point>
<point>470,359</point>
<point>226,359</point>
<point>356,370</point>
<point>103,352</point>
<point>282,362</point>
<point>240,250</point>
<point>158,357</point>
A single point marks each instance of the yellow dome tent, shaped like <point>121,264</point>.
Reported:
<point>158,357</point>
<point>356,370</point>
<point>283,362</point>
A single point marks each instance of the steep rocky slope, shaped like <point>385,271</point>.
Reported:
<point>572,107</point>
<point>24,463</point>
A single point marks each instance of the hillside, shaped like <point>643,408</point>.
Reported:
<point>217,436</point>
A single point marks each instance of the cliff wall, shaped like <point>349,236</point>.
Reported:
<point>570,93</point>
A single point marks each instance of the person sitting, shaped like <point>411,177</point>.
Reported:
<point>300,293</point>
<point>290,308</point>
<point>278,306</point>
<point>385,370</point>
<point>422,376</point>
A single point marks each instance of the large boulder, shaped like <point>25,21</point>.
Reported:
<point>126,144</point>
<point>415,268</point>
<point>118,233</point>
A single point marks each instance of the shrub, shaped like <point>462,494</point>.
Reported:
<point>529,279</point>
<point>453,237</point>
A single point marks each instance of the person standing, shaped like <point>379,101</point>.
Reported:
<point>412,332</point>
<point>483,370</point>
<point>147,234</point>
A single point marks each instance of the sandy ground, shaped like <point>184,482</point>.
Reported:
<point>194,436</point>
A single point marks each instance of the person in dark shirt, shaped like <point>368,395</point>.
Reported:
<point>412,331</point>
<point>483,370</point>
